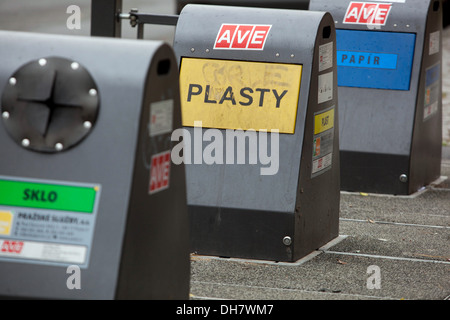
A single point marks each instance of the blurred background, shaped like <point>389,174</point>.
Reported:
<point>49,16</point>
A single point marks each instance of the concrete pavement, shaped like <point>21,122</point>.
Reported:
<point>406,237</point>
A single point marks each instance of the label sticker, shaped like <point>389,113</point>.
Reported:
<point>320,164</point>
<point>161,117</point>
<point>323,121</point>
<point>323,141</point>
<point>434,43</point>
<point>47,222</point>
<point>368,13</point>
<point>432,87</point>
<point>10,246</point>
<point>325,90</point>
<point>242,95</point>
<point>159,172</point>
<point>367,59</point>
<point>325,56</point>
<point>242,36</point>
<point>30,250</point>
<point>6,219</point>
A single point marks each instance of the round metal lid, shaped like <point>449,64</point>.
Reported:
<point>50,104</point>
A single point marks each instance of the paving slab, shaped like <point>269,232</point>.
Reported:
<point>406,237</point>
<point>329,275</point>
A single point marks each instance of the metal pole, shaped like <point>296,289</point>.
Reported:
<point>140,33</point>
<point>105,20</point>
<point>160,19</point>
<point>140,19</point>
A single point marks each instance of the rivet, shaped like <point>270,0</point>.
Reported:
<point>207,50</point>
<point>25,142</point>
<point>75,65</point>
<point>292,55</point>
<point>192,49</point>
<point>59,146</point>
<point>407,25</point>
<point>5,115</point>
<point>395,24</point>
<point>87,124</point>
<point>12,81</point>
<point>42,62</point>
<point>277,54</point>
<point>403,178</point>
<point>287,241</point>
<point>93,92</point>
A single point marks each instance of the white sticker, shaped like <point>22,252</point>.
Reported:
<point>44,251</point>
<point>434,43</point>
<point>325,87</point>
<point>325,56</point>
<point>161,117</point>
<point>432,90</point>
<point>429,110</point>
<point>47,222</point>
<point>322,163</point>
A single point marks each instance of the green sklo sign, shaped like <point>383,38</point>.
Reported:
<point>47,196</point>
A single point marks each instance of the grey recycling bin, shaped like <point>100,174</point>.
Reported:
<point>260,142</point>
<point>389,76</point>
<point>91,206</point>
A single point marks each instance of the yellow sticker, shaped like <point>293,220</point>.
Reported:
<point>6,218</point>
<point>323,121</point>
<point>228,94</point>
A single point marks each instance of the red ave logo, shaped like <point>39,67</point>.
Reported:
<point>367,13</point>
<point>12,246</point>
<point>159,172</point>
<point>242,36</point>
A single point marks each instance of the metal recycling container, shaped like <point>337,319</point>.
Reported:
<point>389,57</point>
<point>91,206</point>
<point>260,142</point>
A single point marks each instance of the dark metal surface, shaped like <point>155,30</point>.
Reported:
<point>50,104</point>
<point>140,19</point>
<point>155,249</point>
<point>232,232</point>
<point>368,172</point>
<point>162,19</point>
<point>104,18</point>
<point>426,149</point>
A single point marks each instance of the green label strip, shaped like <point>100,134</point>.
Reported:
<point>47,196</point>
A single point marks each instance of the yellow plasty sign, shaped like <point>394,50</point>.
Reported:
<point>324,121</point>
<point>227,94</point>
